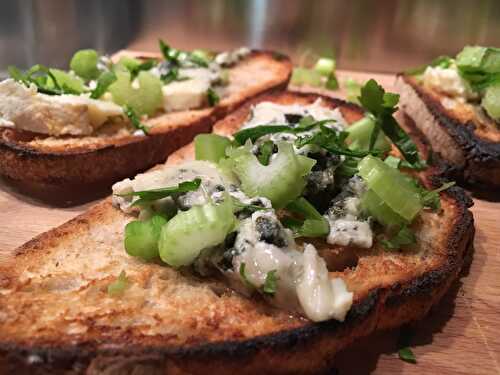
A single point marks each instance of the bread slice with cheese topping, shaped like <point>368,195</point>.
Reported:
<point>71,167</point>
<point>57,317</point>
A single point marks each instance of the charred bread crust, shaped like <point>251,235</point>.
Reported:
<point>68,171</point>
<point>307,349</point>
<point>482,157</point>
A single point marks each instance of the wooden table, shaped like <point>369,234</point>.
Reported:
<point>460,336</point>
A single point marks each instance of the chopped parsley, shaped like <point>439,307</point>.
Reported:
<point>270,284</point>
<point>404,237</point>
<point>406,354</point>
<point>212,97</point>
<point>134,119</point>
<point>117,287</point>
<point>105,80</point>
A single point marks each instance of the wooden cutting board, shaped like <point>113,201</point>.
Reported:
<point>460,336</point>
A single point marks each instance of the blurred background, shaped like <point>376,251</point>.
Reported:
<point>383,35</point>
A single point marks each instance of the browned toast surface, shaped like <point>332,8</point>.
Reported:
<point>461,132</point>
<point>63,164</point>
<point>56,316</point>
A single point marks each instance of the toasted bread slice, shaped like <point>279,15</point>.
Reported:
<point>62,166</point>
<point>466,138</point>
<point>56,316</point>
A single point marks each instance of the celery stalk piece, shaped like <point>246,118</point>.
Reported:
<point>391,186</point>
<point>325,66</point>
<point>491,101</point>
<point>84,64</point>
<point>360,133</point>
<point>145,100</point>
<point>303,76</point>
<point>375,207</point>
<point>141,237</point>
<point>471,57</point>
<point>189,232</point>
<point>281,181</point>
<point>211,147</point>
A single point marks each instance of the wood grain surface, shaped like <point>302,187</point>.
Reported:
<point>460,336</point>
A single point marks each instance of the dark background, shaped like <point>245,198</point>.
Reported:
<point>384,35</point>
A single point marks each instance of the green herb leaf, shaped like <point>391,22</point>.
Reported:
<point>430,199</point>
<point>244,276</point>
<point>117,287</point>
<point>212,97</point>
<point>103,82</point>
<point>176,56</point>
<point>392,161</point>
<point>265,152</point>
<point>314,224</point>
<point>270,283</point>
<point>145,66</point>
<point>172,75</point>
<point>250,208</point>
<point>403,238</point>
<point>155,194</point>
<point>382,105</point>
<point>134,119</point>
<point>407,355</point>
<point>333,142</point>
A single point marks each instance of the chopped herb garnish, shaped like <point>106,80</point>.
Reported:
<point>392,161</point>
<point>244,276</point>
<point>103,82</point>
<point>256,132</point>
<point>172,75</point>
<point>313,224</point>
<point>430,199</point>
<point>246,207</point>
<point>382,105</point>
<point>212,97</point>
<point>45,80</point>
<point>177,57</point>
<point>145,66</point>
<point>403,238</point>
<point>266,149</point>
<point>117,287</point>
<point>333,142</point>
<point>270,283</point>
<point>134,119</point>
<point>155,194</point>
<point>406,354</point>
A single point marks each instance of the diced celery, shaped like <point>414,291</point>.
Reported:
<point>211,147</point>
<point>281,181</point>
<point>360,133</point>
<point>189,232</point>
<point>146,99</point>
<point>491,101</point>
<point>127,63</point>
<point>141,237</point>
<point>84,64</point>
<point>353,90</point>
<point>68,82</point>
<point>325,66</point>
<point>375,207</point>
<point>303,76</point>
<point>391,186</point>
<point>471,57</point>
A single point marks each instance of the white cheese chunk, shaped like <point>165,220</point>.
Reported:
<point>52,114</point>
<point>167,176</point>
<point>27,109</point>
<point>272,113</point>
<point>320,296</point>
<point>187,94</point>
<point>349,231</point>
<point>447,81</point>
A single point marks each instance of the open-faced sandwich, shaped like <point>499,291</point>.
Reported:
<point>109,118</point>
<point>455,102</point>
<point>298,226</point>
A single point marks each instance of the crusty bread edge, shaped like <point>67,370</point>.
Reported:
<point>479,157</point>
<point>301,350</point>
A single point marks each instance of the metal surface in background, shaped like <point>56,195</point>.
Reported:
<point>384,35</point>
